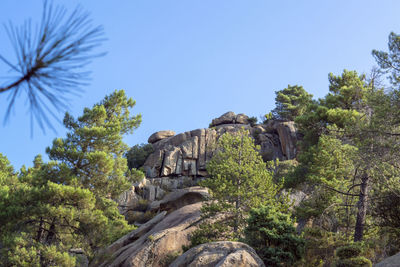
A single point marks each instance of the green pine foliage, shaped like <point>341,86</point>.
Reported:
<point>291,102</point>
<point>238,178</point>
<point>68,203</point>
<point>273,235</point>
<point>138,154</point>
<point>350,256</point>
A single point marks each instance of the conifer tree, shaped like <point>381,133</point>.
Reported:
<point>238,178</point>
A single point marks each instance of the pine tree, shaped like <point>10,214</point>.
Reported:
<point>238,178</point>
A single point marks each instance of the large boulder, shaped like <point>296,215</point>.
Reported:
<point>221,254</point>
<point>288,137</point>
<point>226,118</point>
<point>393,261</point>
<point>230,118</point>
<point>155,243</point>
<point>179,198</point>
<point>157,136</point>
<point>127,200</point>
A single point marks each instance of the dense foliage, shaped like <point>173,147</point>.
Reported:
<point>291,102</point>
<point>51,208</point>
<point>138,154</point>
<point>273,235</point>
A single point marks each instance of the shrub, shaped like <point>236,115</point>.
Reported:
<point>138,154</point>
<point>349,256</point>
<point>272,234</point>
<point>354,262</point>
<point>135,175</point>
<point>349,251</point>
<point>252,120</point>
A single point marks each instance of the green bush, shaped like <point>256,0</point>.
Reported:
<point>349,251</point>
<point>135,175</point>
<point>272,234</point>
<point>252,120</point>
<point>354,262</point>
<point>350,256</point>
<point>138,154</point>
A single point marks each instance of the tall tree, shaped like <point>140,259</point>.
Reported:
<point>238,177</point>
<point>94,149</point>
<point>353,114</point>
<point>291,102</point>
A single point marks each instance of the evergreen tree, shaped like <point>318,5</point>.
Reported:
<point>291,102</point>
<point>273,235</point>
<point>94,149</point>
<point>238,179</point>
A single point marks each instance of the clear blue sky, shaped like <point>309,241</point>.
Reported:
<point>186,62</point>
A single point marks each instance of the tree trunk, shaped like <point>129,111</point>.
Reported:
<point>362,209</point>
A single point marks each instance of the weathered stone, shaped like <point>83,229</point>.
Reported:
<point>187,154</point>
<point>189,167</point>
<point>81,259</point>
<point>269,146</point>
<point>170,160</point>
<point>222,254</point>
<point>179,198</point>
<point>242,119</point>
<point>127,239</point>
<point>166,237</point>
<point>153,164</point>
<point>202,150</point>
<point>392,261</point>
<point>211,142</point>
<point>127,200</point>
<point>190,149</point>
<point>160,193</point>
<point>157,136</point>
<point>150,192</point>
<point>228,117</point>
<point>287,136</point>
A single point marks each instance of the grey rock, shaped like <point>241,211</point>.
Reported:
<point>242,119</point>
<point>221,254</point>
<point>155,242</point>
<point>226,118</point>
<point>392,261</point>
<point>157,136</point>
<point>288,138</point>
<point>179,198</point>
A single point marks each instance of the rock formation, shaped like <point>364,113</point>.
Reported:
<point>221,254</point>
<point>166,204</point>
<point>187,154</point>
<point>154,241</point>
<point>179,161</point>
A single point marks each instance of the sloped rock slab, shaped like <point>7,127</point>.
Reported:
<point>219,254</point>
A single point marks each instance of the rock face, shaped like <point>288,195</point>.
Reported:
<point>221,254</point>
<point>179,198</point>
<point>288,138</point>
<point>152,242</point>
<point>230,118</point>
<point>186,154</point>
<point>393,261</point>
<point>157,136</point>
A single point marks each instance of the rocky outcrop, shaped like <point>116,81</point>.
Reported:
<point>287,136</point>
<point>186,154</point>
<point>393,261</point>
<point>157,136</point>
<point>221,254</point>
<point>230,118</point>
<point>179,198</point>
<point>151,243</point>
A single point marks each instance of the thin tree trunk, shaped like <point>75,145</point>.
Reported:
<point>362,209</point>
